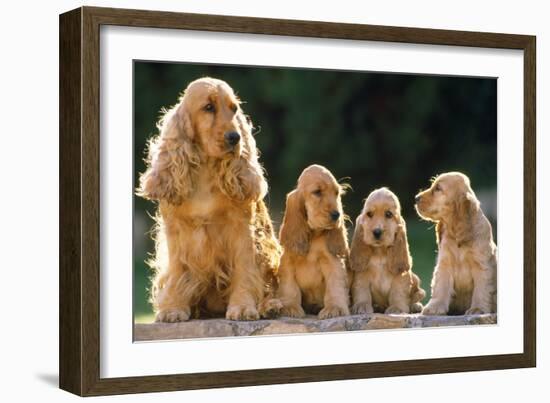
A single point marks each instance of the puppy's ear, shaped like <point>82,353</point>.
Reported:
<point>295,233</point>
<point>172,160</point>
<point>462,220</point>
<point>400,259</point>
<point>337,241</point>
<point>360,252</point>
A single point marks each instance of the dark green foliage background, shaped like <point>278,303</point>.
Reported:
<point>370,129</point>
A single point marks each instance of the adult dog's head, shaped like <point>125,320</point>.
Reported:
<point>449,200</point>
<point>381,226</point>
<point>215,119</point>
<point>207,124</point>
<point>315,206</point>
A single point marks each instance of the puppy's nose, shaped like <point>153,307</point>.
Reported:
<point>232,138</point>
<point>377,232</point>
<point>335,215</point>
<point>417,198</point>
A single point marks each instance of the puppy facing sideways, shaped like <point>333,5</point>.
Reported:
<point>464,279</point>
<point>216,252</point>
<point>313,271</point>
<point>380,260</point>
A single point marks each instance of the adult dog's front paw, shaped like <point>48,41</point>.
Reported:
<point>172,315</point>
<point>293,311</point>
<point>362,308</point>
<point>271,308</point>
<point>416,307</point>
<point>242,312</point>
<point>434,308</point>
<point>333,312</point>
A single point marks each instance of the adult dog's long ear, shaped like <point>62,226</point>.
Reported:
<point>172,160</point>
<point>462,220</point>
<point>242,178</point>
<point>249,150</point>
<point>295,233</point>
<point>400,259</point>
<point>337,241</point>
<point>360,252</point>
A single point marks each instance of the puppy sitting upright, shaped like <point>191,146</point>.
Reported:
<point>464,279</point>
<point>313,272</point>
<point>380,260</point>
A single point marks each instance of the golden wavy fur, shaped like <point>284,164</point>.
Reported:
<point>215,248</point>
<point>464,279</point>
<point>380,260</point>
<point>313,272</point>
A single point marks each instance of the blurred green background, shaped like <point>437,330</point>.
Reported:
<point>373,129</point>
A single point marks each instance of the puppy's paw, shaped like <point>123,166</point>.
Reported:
<point>475,311</point>
<point>293,311</point>
<point>416,307</point>
<point>362,308</point>
<point>394,310</point>
<point>271,308</point>
<point>173,315</point>
<point>333,312</point>
<point>242,312</point>
<point>434,308</point>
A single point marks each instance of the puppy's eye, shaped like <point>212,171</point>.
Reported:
<point>209,107</point>
<point>369,214</point>
<point>437,188</point>
<point>317,192</point>
<point>388,214</point>
<point>234,108</point>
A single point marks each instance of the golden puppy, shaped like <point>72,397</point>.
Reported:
<point>313,272</point>
<point>464,279</point>
<point>383,280</point>
<point>216,252</point>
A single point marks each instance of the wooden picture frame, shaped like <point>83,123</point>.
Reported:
<point>80,186</point>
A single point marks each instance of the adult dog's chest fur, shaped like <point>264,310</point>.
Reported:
<point>207,203</point>
<point>203,226</point>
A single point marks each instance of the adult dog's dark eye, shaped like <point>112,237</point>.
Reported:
<point>388,214</point>
<point>437,188</point>
<point>209,108</point>
<point>317,192</point>
<point>234,108</point>
<point>369,214</point>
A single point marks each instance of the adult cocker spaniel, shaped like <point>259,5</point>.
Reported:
<point>380,259</point>
<point>216,252</point>
<point>313,272</point>
<point>464,279</point>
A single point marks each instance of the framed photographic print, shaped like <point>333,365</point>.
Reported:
<point>249,201</point>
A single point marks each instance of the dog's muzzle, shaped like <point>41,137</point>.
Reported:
<point>232,138</point>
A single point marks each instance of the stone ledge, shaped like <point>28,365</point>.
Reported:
<point>224,328</point>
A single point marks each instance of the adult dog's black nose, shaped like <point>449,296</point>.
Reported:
<point>232,138</point>
<point>335,215</point>
<point>377,232</point>
<point>417,198</point>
